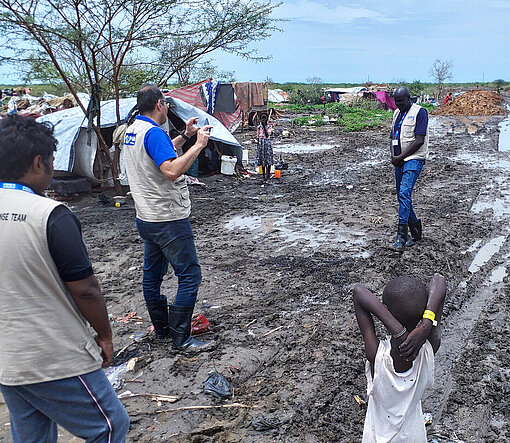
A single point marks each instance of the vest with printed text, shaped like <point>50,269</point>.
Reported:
<point>407,135</point>
<point>157,199</point>
<point>43,335</point>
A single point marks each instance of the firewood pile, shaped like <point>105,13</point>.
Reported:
<point>473,102</point>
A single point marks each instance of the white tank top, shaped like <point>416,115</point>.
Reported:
<point>394,398</point>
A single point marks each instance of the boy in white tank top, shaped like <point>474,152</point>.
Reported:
<point>400,368</point>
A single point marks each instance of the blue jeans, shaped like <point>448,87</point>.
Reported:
<point>85,405</point>
<point>405,179</point>
<point>169,243</point>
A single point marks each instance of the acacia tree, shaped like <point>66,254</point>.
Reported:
<point>97,45</point>
<point>440,72</point>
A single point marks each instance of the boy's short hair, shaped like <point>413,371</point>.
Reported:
<point>21,140</point>
<point>406,298</point>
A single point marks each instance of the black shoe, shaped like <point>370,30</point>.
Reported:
<point>416,231</point>
<point>400,242</point>
<point>179,320</point>
<point>158,312</point>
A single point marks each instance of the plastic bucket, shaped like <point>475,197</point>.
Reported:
<point>277,173</point>
<point>228,164</point>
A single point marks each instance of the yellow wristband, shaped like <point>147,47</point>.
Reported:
<point>431,316</point>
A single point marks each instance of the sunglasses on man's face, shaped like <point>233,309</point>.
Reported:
<point>163,101</point>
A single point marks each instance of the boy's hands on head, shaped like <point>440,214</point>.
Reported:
<point>424,330</point>
<point>415,340</point>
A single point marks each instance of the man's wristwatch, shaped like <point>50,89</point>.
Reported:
<point>183,135</point>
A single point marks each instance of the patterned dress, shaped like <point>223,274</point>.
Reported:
<point>264,155</point>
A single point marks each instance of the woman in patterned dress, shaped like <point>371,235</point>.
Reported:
<point>264,156</point>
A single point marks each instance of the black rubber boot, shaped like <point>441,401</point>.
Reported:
<point>179,320</point>
<point>415,230</point>
<point>400,242</point>
<point>158,312</point>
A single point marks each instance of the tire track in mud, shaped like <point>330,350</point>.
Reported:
<point>482,285</point>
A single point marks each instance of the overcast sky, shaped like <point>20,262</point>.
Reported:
<point>380,41</point>
<point>383,41</point>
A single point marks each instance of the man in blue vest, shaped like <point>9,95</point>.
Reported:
<point>55,329</point>
<point>409,149</point>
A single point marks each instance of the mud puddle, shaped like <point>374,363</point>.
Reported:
<point>504,136</point>
<point>293,231</point>
<point>301,149</point>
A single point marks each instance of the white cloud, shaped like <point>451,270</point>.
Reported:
<point>312,11</point>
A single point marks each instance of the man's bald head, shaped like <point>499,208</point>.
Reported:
<point>402,91</point>
<point>402,98</point>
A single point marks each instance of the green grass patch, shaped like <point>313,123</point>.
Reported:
<point>364,116</point>
<point>309,120</point>
<point>429,107</point>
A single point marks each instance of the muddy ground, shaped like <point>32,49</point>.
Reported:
<point>279,262</point>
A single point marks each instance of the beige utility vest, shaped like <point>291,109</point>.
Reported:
<point>157,199</point>
<point>407,135</point>
<point>43,336</point>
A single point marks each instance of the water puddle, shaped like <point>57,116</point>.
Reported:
<point>482,160</point>
<point>485,253</point>
<point>296,232</point>
<point>498,274</point>
<point>504,135</point>
<point>301,149</point>
<point>495,198</point>
<point>474,246</point>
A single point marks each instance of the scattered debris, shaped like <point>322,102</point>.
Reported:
<point>427,418</point>
<point>155,397</point>
<point>115,373</point>
<point>192,408</point>
<point>273,330</point>
<point>360,400</point>
<point>217,385</point>
<point>262,423</point>
<point>200,325</point>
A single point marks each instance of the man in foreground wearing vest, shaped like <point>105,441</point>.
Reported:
<point>50,300</point>
<point>163,207</point>
<point>409,149</point>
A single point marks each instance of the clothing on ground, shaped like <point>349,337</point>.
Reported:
<point>394,399</point>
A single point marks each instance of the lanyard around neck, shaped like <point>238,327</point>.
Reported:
<point>397,132</point>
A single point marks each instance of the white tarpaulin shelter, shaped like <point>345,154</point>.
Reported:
<point>277,96</point>
<point>74,153</point>
<point>354,90</point>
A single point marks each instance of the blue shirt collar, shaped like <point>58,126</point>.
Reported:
<point>146,119</point>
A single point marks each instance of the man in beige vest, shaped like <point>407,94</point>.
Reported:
<point>409,149</point>
<point>155,174</point>
<point>55,333</point>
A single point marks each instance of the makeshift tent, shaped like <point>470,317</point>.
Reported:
<point>277,96</point>
<point>196,96</point>
<point>77,150</point>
